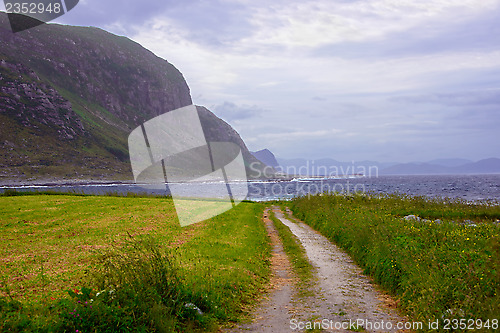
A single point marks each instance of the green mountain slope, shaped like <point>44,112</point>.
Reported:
<point>69,97</point>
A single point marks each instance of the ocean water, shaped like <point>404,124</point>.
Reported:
<point>467,187</point>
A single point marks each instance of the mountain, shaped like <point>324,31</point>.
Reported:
<point>331,167</point>
<point>415,169</point>
<point>267,157</point>
<point>490,165</point>
<point>70,96</point>
<point>450,162</point>
<point>486,166</point>
<point>217,130</point>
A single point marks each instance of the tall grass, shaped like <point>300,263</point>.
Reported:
<point>140,287</point>
<point>437,269</point>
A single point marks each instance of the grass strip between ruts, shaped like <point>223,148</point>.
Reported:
<point>297,256</point>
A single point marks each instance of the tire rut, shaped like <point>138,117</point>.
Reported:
<point>275,312</point>
<point>342,296</point>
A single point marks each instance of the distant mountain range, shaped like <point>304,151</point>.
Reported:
<point>331,167</point>
<point>486,166</point>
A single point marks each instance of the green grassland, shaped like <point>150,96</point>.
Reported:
<point>108,263</point>
<point>154,275</point>
<point>444,266</point>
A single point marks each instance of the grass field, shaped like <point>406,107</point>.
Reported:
<point>107,263</point>
<point>54,243</point>
<point>442,267</point>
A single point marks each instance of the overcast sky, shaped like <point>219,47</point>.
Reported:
<point>386,80</point>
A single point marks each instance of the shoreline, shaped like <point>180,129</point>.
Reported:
<point>54,183</point>
<point>12,183</point>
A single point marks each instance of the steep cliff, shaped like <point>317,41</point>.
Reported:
<point>69,97</point>
<point>114,72</point>
<point>33,103</point>
<point>217,129</point>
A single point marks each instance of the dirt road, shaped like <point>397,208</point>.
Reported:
<point>344,300</point>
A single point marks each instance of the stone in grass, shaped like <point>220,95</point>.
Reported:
<point>193,307</point>
<point>453,313</point>
<point>469,223</point>
<point>419,219</point>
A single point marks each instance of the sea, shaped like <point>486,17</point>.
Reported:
<point>465,187</point>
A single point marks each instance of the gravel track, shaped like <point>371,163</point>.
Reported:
<point>342,295</point>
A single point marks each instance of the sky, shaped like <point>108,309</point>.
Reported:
<point>384,80</point>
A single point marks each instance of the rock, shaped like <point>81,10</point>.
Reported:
<point>469,223</point>
<point>34,102</point>
<point>453,313</point>
<point>193,307</point>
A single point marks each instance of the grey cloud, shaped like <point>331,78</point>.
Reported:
<point>479,34</point>
<point>231,112</point>
<point>126,12</point>
<point>215,23</point>
<point>484,118</point>
<point>464,98</point>
<point>212,23</point>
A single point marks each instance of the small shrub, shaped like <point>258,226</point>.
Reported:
<point>139,288</point>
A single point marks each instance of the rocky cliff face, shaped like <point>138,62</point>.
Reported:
<point>114,72</point>
<point>217,129</point>
<point>69,97</point>
<point>33,103</point>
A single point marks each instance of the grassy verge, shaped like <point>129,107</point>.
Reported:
<point>297,254</point>
<point>120,263</point>
<point>446,268</point>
